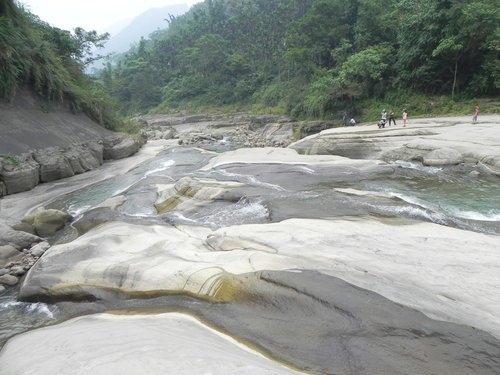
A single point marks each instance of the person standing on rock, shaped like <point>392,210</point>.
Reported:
<point>476,113</point>
<point>345,117</point>
<point>392,118</point>
<point>383,116</point>
<point>405,117</point>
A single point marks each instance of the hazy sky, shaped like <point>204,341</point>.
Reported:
<point>93,14</point>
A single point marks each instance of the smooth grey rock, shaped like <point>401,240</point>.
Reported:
<point>39,249</point>
<point>2,289</point>
<point>8,251</point>
<point>8,280</point>
<point>443,156</point>
<point>119,147</point>
<point>53,164</point>
<point>19,240</point>
<point>3,271</point>
<point>96,149</point>
<point>73,155</point>
<point>490,165</point>
<point>24,227</point>
<point>404,154</point>
<point>21,176</point>
<point>47,222</point>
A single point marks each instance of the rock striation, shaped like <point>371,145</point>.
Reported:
<point>239,129</point>
<point>445,141</point>
<point>23,172</point>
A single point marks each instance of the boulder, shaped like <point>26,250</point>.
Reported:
<point>47,222</point>
<point>96,150</point>
<point>8,251</point>
<point>189,193</point>
<point>39,249</point>
<point>24,227</point>
<point>443,156</point>
<point>2,289</point>
<point>8,280</point>
<point>72,155</point>
<point>20,173</point>
<point>3,271</point>
<point>20,240</point>
<point>490,164</point>
<point>53,164</point>
<point>119,147</point>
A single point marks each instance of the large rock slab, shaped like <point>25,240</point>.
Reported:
<point>425,266</point>
<point>438,141</point>
<point>116,344</point>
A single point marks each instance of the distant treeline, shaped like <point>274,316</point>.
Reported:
<point>312,57</point>
<point>51,62</point>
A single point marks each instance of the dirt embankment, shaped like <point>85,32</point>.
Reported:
<point>41,142</point>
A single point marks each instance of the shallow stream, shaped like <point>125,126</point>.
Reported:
<point>272,193</point>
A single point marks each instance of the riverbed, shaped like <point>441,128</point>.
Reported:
<point>320,264</point>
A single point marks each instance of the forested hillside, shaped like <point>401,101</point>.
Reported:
<point>51,62</point>
<point>313,57</point>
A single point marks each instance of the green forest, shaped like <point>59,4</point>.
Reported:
<point>303,58</point>
<point>314,58</point>
<point>52,63</point>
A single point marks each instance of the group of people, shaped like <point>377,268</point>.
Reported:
<point>347,122</point>
<point>392,118</point>
<point>384,117</point>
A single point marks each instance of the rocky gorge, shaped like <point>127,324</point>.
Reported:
<point>225,245</point>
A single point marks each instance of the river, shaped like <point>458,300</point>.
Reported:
<point>269,193</point>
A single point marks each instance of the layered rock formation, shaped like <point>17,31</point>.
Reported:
<point>239,129</point>
<point>154,345</point>
<point>45,145</point>
<point>434,142</point>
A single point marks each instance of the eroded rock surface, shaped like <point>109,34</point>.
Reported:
<point>446,141</point>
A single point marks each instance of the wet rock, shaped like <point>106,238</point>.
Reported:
<point>3,271</point>
<point>20,173</point>
<point>443,156</point>
<point>2,289</point>
<point>47,222</point>
<point>53,164</point>
<point>8,280</point>
<point>490,164</point>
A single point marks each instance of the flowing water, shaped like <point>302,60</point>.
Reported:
<point>271,193</point>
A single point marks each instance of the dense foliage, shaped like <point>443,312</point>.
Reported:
<point>312,57</point>
<point>52,62</point>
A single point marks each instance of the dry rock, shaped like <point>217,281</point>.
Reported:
<point>8,280</point>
